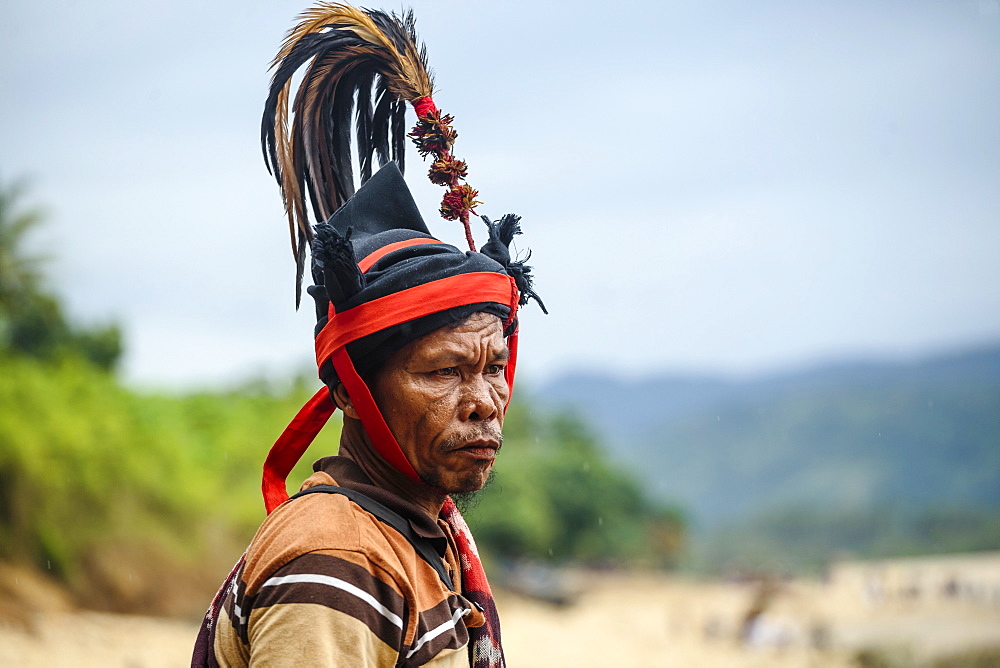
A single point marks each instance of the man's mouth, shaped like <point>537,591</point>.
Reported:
<point>480,449</point>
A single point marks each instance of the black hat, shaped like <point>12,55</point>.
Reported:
<point>381,224</point>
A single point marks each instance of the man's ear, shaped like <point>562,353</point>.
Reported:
<point>343,401</point>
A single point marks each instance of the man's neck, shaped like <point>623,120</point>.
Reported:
<point>356,446</point>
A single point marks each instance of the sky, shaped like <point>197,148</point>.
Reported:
<point>724,187</point>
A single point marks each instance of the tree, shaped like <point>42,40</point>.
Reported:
<point>32,321</point>
<point>20,273</point>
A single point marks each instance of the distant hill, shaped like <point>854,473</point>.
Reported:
<point>866,437</point>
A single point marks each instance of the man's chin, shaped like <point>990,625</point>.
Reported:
<point>473,483</point>
<point>468,481</point>
<point>467,499</point>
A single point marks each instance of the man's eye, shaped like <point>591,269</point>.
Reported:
<point>448,371</point>
<point>494,369</point>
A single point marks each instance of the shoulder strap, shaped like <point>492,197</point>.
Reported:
<point>393,519</point>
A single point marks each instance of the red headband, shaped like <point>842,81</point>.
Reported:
<point>363,320</point>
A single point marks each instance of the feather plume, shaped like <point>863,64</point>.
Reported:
<point>364,64</point>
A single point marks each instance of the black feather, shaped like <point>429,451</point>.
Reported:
<point>380,121</point>
<point>363,113</point>
<point>300,263</point>
<point>398,133</point>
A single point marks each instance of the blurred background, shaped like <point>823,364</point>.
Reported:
<point>761,425</point>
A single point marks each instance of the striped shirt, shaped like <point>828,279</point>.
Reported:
<point>327,583</point>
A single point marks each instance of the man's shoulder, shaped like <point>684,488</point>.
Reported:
<point>317,523</point>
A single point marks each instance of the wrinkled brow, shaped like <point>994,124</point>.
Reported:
<point>456,357</point>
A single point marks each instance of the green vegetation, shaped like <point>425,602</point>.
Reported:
<point>557,497</point>
<point>111,490</point>
<point>116,491</point>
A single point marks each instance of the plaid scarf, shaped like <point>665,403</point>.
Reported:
<point>485,650</point>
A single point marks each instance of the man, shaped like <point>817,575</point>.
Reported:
<point>371,563</point>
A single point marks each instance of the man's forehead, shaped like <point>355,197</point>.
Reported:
<point>465,339</point>
<point>476,321</point>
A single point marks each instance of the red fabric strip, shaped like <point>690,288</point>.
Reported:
<point>291,445</point>
<point>371,417</point>
<point>410,304</point>
<point>508,372</point>
<point>371,259</point>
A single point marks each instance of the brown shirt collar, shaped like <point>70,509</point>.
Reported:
<point>348,474</point>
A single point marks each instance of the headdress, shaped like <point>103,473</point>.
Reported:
<point>381,279</point>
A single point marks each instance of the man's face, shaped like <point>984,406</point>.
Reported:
<point>443,397</point>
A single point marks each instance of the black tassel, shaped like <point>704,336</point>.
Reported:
<point>502,233</point>
<point>334,264</point>
<point>497,247</point>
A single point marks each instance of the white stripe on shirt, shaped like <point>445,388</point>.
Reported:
<point>435,632</point>
<point>315,578</point>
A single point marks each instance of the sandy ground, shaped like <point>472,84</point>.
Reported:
<point>85,639</point>
<point>617,620</point>
<point>646,621</point>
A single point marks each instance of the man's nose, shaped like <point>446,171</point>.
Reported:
<point>477,400</point>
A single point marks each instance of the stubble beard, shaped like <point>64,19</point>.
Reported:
<point>467,501</point>
<point>468,483</point>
